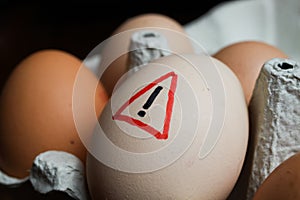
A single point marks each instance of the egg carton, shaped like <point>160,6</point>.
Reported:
<point>274,117</point>
<point>54,171</point>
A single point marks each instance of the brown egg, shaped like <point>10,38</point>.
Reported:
<point>36,110</point>
<point>283,182</point>
<point>177,39</point>
<point>150,20</point>
<point>245,59</point>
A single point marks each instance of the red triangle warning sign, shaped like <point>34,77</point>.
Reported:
<point>168,110</point>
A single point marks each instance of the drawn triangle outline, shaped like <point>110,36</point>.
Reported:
<point>169,108</point>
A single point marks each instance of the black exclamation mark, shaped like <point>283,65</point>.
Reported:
<point>150,100</point>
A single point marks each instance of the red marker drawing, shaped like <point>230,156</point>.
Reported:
<point>169,107</point>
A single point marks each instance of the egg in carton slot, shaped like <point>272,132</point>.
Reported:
<point>159,82</point>
<point>43,147</point>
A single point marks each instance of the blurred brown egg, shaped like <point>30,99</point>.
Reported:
<point>177,39</point>
<point>283,182</point>
<point>36,109</point>
<point>245,59</point>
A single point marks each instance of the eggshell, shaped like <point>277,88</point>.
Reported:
<point>189,144</point>
<point>36,110</point>
<point>283,182</point>
<point>177,39</point>
<point>246,59</point>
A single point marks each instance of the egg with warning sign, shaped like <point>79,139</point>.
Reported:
<point>154,31</point>
<point>36,109</point>
<point>175,129</point>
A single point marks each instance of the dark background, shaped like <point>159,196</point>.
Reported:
<point>76,27</point>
